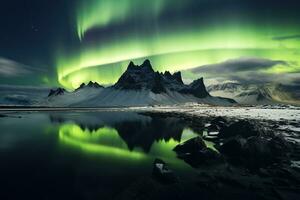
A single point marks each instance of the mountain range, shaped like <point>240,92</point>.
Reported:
<point>257,94</point>
<point>138,86</point>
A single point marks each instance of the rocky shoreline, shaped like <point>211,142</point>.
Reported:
<point>251,159</point>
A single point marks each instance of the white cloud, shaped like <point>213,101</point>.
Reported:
<point>10,68</point>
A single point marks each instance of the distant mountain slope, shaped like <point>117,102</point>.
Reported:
<point>258,94</point>
<point>21,95</point>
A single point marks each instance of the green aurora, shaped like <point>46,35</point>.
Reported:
<point>114,32</point>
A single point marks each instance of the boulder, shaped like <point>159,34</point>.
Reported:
<point>219,122</point>
<point>233,147</point>
<point>196,153</point>
<point>255,151</point>
<point>243,128</point>
<point>162,173</point>
<point>191,146</point>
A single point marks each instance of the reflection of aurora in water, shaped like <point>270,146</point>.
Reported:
<point>106,141</point>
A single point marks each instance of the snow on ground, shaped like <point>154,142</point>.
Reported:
<point>274,113</point>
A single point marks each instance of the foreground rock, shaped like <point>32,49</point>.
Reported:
<point>196,153</point>
<point>255,151</point>
<point>162,173</point>
<point>243,128</point>
<point>251,144</point>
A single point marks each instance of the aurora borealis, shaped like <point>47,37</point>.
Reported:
<point>100,37</point>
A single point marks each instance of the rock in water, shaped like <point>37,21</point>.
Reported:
<point>162,173</point>
<point>196,153</point>
<point>191,146</point>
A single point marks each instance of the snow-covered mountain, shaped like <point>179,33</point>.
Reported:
<point>138,86</point>
<point>254,94</point>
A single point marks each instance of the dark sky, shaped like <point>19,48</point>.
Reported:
<point>52,41</point>
<point>31,30</point>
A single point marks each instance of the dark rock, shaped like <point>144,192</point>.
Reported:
<point>255,151</point>
<point>202,157</point>
<point>233,146</point>
<point>213,127</point>
<point>195,153</point>
<point>162,173</point>
<point>216,124</point>
<point>190,146</point>
<point>220,121</point>
<point>279,146</point>
<point>243,128</point>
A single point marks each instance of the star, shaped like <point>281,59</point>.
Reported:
<point>35,29</point>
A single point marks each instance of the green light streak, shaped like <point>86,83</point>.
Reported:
<point>109,74</point>
<point>173,46</point>
<point>95,13</point>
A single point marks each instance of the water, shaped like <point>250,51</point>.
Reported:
<point>85,155</point>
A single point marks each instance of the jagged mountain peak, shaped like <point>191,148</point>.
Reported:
<point>143,77</point>
<point>196,88</point>
<point>178,77</point>
<point>141,85</point>
<point>91,84</point>
<point>56,92</point>
<point>94,84</point>
<point>144,67</point>
<point>197,82</point>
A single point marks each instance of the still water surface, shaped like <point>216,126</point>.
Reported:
<point>85,155</point>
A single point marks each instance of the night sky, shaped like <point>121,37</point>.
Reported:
<point>47,42</point>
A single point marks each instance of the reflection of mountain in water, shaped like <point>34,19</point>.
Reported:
<point>144,134</point>
<point>117,128</point>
